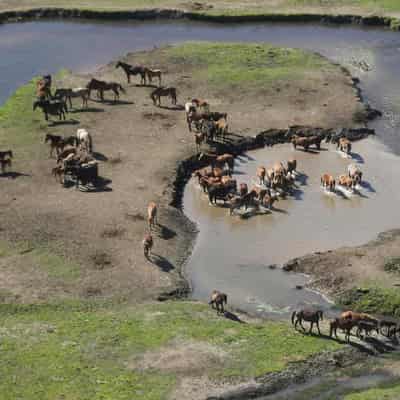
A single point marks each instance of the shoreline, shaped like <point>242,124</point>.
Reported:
<point>173,14</point>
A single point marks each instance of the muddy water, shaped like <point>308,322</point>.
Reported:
<point>231,253</point>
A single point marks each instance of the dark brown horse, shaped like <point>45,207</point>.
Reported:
<point>217,300</point>
<point>6,154</point>
<point>133,70</point>
<point>312,316</point>
<point>163,92</point>
<point>102,86</point>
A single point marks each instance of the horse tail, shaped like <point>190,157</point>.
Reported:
<point>294,313</point>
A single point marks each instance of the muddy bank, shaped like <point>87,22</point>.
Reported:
<point>335,272</point>
<point>149,14</point>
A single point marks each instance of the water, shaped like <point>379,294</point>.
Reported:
<point>230,253</point>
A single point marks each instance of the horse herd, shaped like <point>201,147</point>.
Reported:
<point>347,321</point>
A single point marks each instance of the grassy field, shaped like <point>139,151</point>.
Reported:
<point>86,351</point>
<point>236,7</point>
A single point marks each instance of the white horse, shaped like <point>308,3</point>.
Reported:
<point>84,138</point>
<point>355,173</point>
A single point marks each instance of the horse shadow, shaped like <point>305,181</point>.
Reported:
<point>65,122</point>
<point>233,317</point>
<point>367,186</point>
<point>172,108</point>
<point>99,156</point>
<point>166,233</point>
<point>13,175</point>
<point>357,158</point>
<point>161,262</point>
<point>88,109</point>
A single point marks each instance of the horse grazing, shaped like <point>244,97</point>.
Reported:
<point>163,92</point>
<point>84,139</point>
<point>6,154</point>
<point>344,145</point>
<point>153,73</point>
<point>4,164</point>
<point>133,70</point>
<point>69,94</point>
<point>355,173</point>
<point>58,108</point>
<point>307,315</point>
<point>56,142</point>
<point>152,214</point>
<point>147,244</point>
<point>217,300</point>
<point>102,86</point>
<point>344,324</point>
<point>328,181</point>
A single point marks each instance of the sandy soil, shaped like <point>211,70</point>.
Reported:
<point>140,145</point>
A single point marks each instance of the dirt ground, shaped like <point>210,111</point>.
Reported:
<point>335,271</point>
<point>138,146</point>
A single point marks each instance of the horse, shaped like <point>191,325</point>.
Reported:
<point>153,73</point>
<point>346,181</point>
<point>4,164</point>
<point>133,70</point>
<point>58,108</point>
<point>344,145</point>
<point>5,154</point>
<point>102,86</point>
<point>355,173</point>
<point>217,300</point>
<point>261,172</point>
<point>312,316</point>
<point>344,324</point>
<point>199,139</point>
<point>163,92</point>
<point>43,88</point>
<point>69,94</point>
<point>328,181</point>
<point>147,244</point>
<point>152,214</point>
<point>56,142</point>
<point>84,138</point>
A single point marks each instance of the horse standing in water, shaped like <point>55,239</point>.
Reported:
<point>307,315</point>
<point>133,70</point>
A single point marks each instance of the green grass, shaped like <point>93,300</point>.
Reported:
<point>81,351</point>
<point>239,65</point>
<point>384,392</point>
<point>372,299</point>
<point>56,267</point>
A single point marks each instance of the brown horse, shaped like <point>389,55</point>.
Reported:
<point>4,164</point>
<point>312,316</point>
<point>147,244</point>
<point>328,181</point>
<point>163,92</point>
<point>102,86</point>
<point>217,300</point>
<point>344,145</point>
<point>344,324</point>
<point>154,73</point>
<point>152,214</point>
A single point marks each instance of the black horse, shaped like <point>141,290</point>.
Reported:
<point>133,70</point>
<point>312,316</point>
<point>58,108</point>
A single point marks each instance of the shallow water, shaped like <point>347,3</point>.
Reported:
<point>230,253</point>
